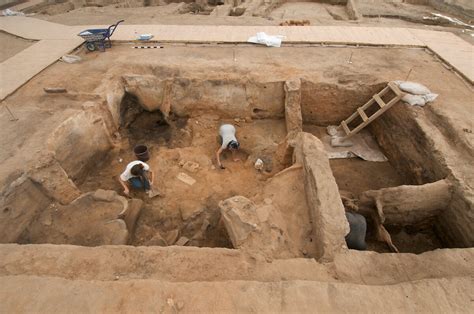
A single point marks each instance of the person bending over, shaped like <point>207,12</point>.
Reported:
<point>228,141</point>
<point>136,176</point>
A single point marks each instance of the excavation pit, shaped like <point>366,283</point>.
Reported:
<point>175,108</point>
<point>189,147</point>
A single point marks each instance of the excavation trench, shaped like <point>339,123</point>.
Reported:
<point>177,141</point>
<point>177,118</point>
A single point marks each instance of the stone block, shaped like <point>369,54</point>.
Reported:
<point>294,120</point>
<point>327,212</point>
<point>240,218</point>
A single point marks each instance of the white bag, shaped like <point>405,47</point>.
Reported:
<point>71,58</point>
<point>413,88</point>
<point>419,100</point>
<point>258,164</point>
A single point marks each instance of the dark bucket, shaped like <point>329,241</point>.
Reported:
<point>141,151</point>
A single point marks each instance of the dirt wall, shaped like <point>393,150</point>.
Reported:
<point>407,146</point>
<point>460,7</point>
<point>19,206</point>
<point>79,142</point>
<point>229,98</point>
<point>457,223</point>
<point>322,103</point>
<point>325,103</point>
<point>406,136</point>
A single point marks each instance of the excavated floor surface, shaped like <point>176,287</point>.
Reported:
<point>194,142</point>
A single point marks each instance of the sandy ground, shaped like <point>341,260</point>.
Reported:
<point>11,45</point>
<point>316,13</point>
<point>195,142</point>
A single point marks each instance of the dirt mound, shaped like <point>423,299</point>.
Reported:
<point>90,220</point>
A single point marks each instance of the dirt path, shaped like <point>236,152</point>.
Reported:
<point>11,45</point>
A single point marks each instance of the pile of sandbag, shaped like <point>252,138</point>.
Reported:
<point>416,93</point>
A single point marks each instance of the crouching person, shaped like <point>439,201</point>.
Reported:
<point>137,175</point>
<point>227,140</point>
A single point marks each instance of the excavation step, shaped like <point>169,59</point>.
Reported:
<point>186,264</point>
<point>57,295</point>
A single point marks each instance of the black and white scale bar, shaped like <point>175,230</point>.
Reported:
<point>146,47</point>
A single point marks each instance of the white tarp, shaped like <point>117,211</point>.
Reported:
<point>453,20</point>
<point>361,145</point>
<point>268,40</point>
<point>8,12</point>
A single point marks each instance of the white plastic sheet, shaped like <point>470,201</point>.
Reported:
<point>8,12</point>
<point>268,40</point>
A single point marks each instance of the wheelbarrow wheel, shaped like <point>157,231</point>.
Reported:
<point>90,46</point>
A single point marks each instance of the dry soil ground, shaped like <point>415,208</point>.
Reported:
<point>11,45</point>
<point>376,14</point>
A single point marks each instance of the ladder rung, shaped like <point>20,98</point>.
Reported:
<point>395,88</point>
<point>344,126</point>
<point>379,101</point>
<point>362,114</point>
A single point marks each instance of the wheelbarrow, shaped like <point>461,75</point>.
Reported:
<point>99,37</point>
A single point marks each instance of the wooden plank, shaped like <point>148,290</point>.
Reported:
<point>368,104</point>
<point>379,101</point>
<point>344,126</point>
<point>392,102</point>
<point>362,114</point>
<point>384,91</point>
<point>395,89</point>
<point>352,117</point>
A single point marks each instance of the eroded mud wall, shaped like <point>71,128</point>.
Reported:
<point>404,134</point>
<point>325,104</point>
<point>79,143</point>
<point>19,205</point>
<point>228,98</point>
<point>407,146</point>
<point>322,103</point>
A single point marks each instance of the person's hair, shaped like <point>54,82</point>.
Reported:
<point>138,171</point>
<point>233,145</point>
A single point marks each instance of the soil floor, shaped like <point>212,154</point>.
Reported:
<point>195,142</point>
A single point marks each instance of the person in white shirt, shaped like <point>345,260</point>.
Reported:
<point>136,176</point>
<point>228,141</point>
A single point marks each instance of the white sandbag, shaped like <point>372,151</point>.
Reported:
<point>419,100</point>
<point>413,88</point>
<point>8,12</point>
<point>71,58</point>
<point>414,100</point>
<point>430,97</point>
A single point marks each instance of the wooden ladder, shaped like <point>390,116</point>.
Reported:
<point>361,111</point>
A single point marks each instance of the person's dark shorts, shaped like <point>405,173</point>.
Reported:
<point>136,183</point>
